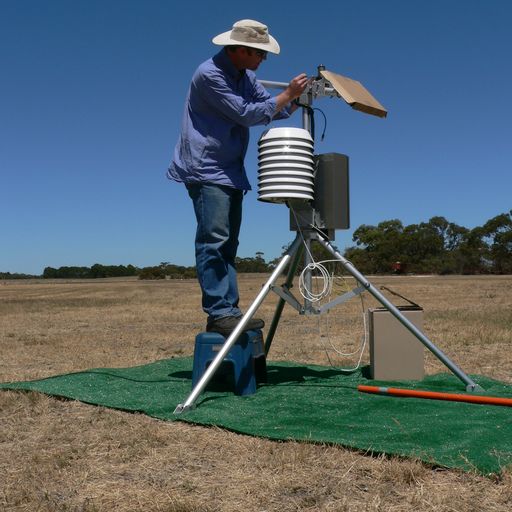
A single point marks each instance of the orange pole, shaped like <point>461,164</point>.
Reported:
<point>474,399</point>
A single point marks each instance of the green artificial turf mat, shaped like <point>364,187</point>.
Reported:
<point>314,404</point>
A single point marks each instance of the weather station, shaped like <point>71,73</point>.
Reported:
<point>315,189</point>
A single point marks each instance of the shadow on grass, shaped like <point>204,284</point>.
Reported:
<point>276,375</point>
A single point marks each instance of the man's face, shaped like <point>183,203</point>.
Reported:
<point>252,57</point>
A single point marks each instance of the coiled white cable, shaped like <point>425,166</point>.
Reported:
<point>327,280</point>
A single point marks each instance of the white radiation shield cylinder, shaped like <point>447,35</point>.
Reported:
<point>286,173</point>
<point>285,165</point>
<point>292,146</point>
<point>285,158</point>
<point>280,181</point>
<point>264,152</point>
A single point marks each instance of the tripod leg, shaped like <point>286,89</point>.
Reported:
<point>349,267</point>
<point>210,371</point>
<point>280,305</point>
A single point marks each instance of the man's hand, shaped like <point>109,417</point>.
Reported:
<point>297,85</point>
<point>294,90</point>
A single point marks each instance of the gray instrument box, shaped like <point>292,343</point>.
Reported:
<point>331,208</point>
<point>395,353</point>
<point>331,191</point>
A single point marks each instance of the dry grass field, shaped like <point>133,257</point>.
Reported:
<point>60,455</point>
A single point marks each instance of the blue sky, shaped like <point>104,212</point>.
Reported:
<point>91,100</point>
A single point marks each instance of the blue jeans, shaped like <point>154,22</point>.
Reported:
<point>218,212</point>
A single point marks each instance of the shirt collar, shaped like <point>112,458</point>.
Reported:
<point>222,60</point>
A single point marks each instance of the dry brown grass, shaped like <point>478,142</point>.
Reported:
<point>67,456</point>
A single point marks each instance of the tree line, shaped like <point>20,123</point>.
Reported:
<point>163,271</point>
<point>15,275</point>
<point>94,272</point>
<point>434,247</point>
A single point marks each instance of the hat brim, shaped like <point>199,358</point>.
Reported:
<point>224,39</point>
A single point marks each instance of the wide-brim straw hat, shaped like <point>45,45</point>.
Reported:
<point>248,33</point>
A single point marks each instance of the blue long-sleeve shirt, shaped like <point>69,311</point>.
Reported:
<point>221,105</point>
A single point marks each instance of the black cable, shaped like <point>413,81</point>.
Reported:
<point>311,112</point>
<point>325,122</point>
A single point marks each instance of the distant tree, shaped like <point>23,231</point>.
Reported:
<point>167,270</point>
<point>131,270</point>
<point>152,273</point>
<point>451,234</point>
<point>361,259</point>
<point>49,273</point>
<point>497,235</point>
<point>252,265</point>
<point>98,271</point>
<point>472,253</point>
<point>381,243</point>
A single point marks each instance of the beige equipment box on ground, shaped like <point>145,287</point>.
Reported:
<point>395,353</point>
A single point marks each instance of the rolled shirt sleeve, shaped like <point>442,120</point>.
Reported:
<point>261,94</point>
<point>217,93</point>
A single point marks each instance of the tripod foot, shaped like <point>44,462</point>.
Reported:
<point>474,388</point>
<point>183,408</point>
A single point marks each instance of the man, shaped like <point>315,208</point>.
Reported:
<point>223,101</point>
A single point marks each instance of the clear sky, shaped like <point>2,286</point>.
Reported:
<point>91,100</point>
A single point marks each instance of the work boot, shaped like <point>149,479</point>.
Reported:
<point>227,324</point>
